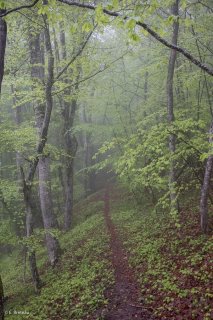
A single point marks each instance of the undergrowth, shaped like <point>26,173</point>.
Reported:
<point>72,290</point>
<point>172,265</point>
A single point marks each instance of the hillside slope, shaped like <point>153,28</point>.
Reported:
<point>74,289</point>
<point>118,263</point>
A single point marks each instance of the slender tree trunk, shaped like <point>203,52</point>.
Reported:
<point>170,107</point>
<point>1,300</point>
<point>69,195</point>
<point>68,113</point>
<point>89,177</point>
<point>86,163</point>
<point>3,38</point>
<point>42,115</point>
<point>49,219</point>
<point>27,191</point>
<point>71,146</point>
<point>17,113</point>
<point>146,85</point>
<point>209,163</point>
<point>205,188</point>
<point>18,119</point>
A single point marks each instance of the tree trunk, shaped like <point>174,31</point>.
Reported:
<point>48,215</point>
<point>27,190</point>
<point>3,38</point>
<point>18,119</point>
<point>205,188</point>
<point>42,116</point>
<point>170,108</point>
<point>71,146</point>
<point>146,86</point>
<point>49,218</point>
<point>89,177</point>
<point>68,113</point>
<point>1,300</point>
<point>17,113</point>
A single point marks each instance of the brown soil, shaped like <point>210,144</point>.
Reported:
<point>125,302</point>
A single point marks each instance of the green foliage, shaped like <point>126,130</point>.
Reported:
<point>76,287</point>
<point>18,139</point>
<point>145,158</point>
<point>9,191</point>
<point>100,17</point>
<point>119,83</point>
<point>172,267</point>
<point>7,236</point>
<point>2,5</point>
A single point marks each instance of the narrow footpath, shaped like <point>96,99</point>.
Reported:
<point>124,298</point>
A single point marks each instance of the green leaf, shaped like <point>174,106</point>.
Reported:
<point>100,17</point>
<point>115,4</point>
<point>2,5</point>
<point>87,27</point>
<point>134,36</point>
<point>131,24</point>
<point>73,28</point>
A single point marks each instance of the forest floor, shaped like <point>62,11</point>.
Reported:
<point>171,260</point>
<point>119,262</point>
<point>124,296</point>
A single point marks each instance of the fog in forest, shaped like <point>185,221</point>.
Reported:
<point>106,136</point>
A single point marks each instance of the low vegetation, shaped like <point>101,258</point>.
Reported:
<point>172,262</point>
<point>72,290</point>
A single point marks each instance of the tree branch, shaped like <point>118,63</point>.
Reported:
<point>154,34</point>
<point>19,8</point>
<point>75,57</point>
<point>143,25</point>
<point>88,77</point>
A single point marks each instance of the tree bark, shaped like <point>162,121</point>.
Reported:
<point>42,116</point>
<point>3,38</point>
<point>170,108</point>
<point>27,191</point>
<point>71,145</point>
<point>205,188</point>
<point>1,300</point>
<point>89,177</point>
<point>49,218</point>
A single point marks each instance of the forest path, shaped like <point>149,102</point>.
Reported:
<point>124,297</point>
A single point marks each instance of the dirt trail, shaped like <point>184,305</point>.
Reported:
<point>124,297</point>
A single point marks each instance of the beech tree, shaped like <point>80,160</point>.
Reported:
<point>170,105</point>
